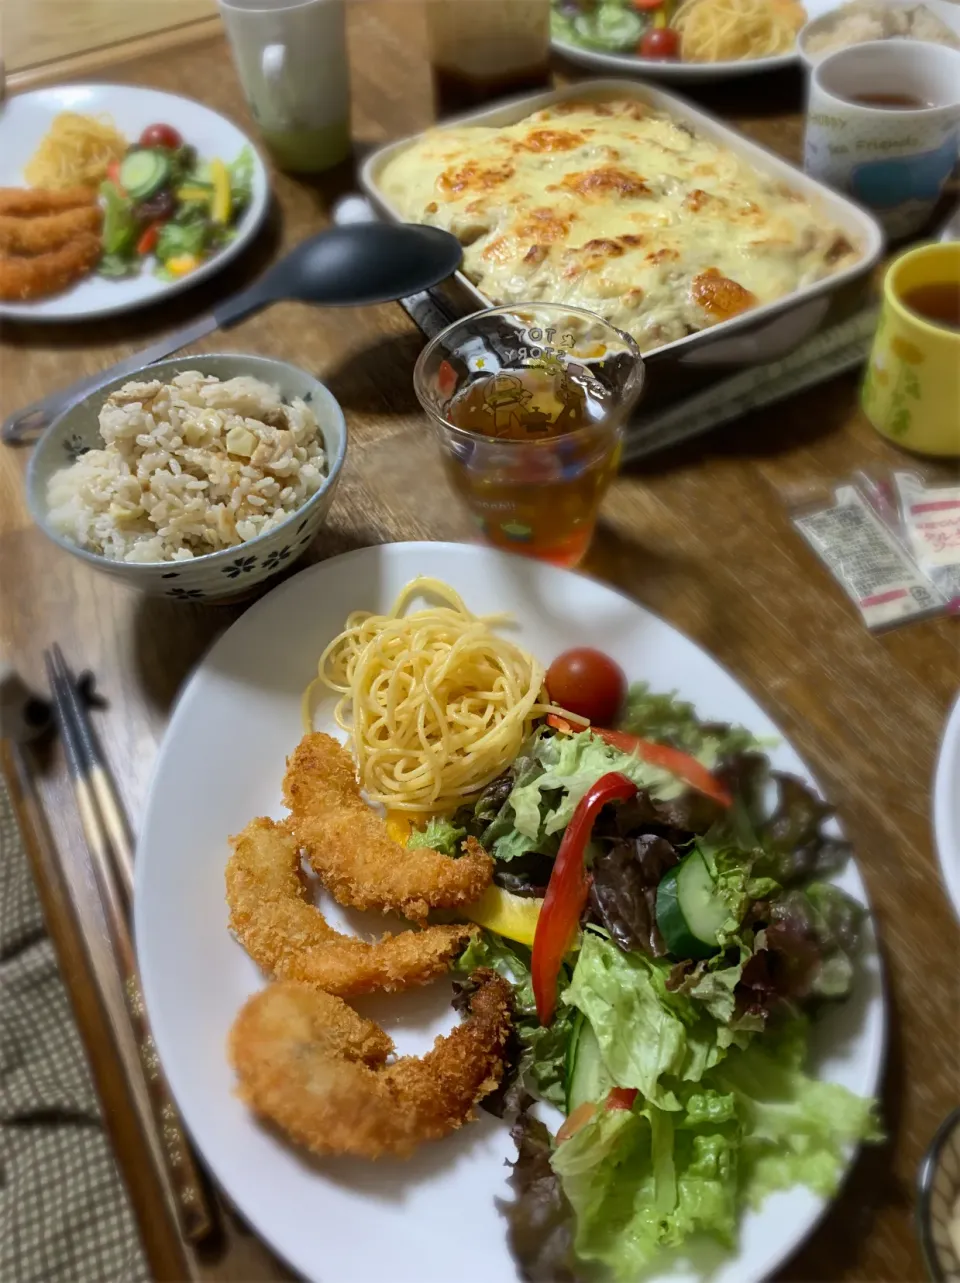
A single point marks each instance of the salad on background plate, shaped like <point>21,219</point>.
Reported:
<point>618,26</point>
<point>674,1035</point>
<point>162,201</point>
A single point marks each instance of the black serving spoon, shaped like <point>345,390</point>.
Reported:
<point>351,265</point>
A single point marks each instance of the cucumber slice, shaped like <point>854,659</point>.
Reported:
<point>587,1076</point>
<point>144,172</point>
<point>689,911</point>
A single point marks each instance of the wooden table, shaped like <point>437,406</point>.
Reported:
<point>700,536</point>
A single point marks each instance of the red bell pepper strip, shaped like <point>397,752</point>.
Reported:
<point>148,241</point>
<point>617,1098</point>
<point>674,760</point>
<point>567,891</point>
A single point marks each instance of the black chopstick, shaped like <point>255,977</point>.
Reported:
<point>108,840</point>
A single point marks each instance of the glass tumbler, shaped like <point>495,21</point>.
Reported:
<point>529,403</point>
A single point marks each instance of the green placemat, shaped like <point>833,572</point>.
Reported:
<point>64,1212</point>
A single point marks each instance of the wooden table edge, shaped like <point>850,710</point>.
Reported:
<point>91,61</point>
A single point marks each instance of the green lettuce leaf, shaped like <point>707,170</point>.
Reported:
<point>119,225</point>
<point>797,1130</point>
<point>544,803</point>
<point>241,180</point>
<point>650,1038</point>
<point>734,882</point>
<point>648,1178</point>
<point>713,982</point>
<point>645,1179</point>
<point>440,834</point>
<point>541,1067</point>
<point>670,720</point>
<point>188,237</point>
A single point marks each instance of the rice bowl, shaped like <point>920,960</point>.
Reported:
<point>188,467</point>
<point>222,573</point>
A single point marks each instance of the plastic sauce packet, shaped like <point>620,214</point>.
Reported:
<point>870,563</point>
<point>930,518</point>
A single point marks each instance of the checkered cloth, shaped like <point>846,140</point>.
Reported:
<point>64,1213</point>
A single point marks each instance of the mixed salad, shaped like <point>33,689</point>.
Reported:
<point>663,910</point>
<point>618,26</point>
<point>161,201</point>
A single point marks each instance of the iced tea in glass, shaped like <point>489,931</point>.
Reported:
<point>529,402</point>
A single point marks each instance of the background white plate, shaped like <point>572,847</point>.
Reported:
<point>433,1219</point>
<point>651,69</point>
<point>946,806</point>
<point>25,118</point>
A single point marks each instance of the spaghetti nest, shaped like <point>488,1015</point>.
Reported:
<point>75,152</point>
<point>736,30</point>
<point>435,702</point>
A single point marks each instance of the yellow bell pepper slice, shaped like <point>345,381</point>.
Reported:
<point>181,264</point>
<point>513,916</point>
<point>191,193</point>
<point>660,17</point>
<point>221,205</point>
<point>399,826</point>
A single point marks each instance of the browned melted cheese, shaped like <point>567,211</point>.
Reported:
<point>618,208</point>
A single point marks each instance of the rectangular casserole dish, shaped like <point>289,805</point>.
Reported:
<point>761,334</point>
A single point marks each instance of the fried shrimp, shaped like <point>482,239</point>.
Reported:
<point>290,938</point>
<point>309,1063</point>
<point>47,231</point>
<point>29,202</point>
<point>347,845</point>
<point>28,278</point>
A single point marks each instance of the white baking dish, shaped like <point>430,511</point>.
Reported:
<point>763,333</point>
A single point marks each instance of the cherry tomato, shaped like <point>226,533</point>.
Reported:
<point>643,5</point>
<point>161,136</point>
<point>661,42</point>
<point>588,683</point>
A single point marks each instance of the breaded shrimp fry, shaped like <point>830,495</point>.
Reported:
<point>290,938</point>
<point>309,1063</point>
<point>43,274</point>
<point>347,844</point>
<point>48,231</point>
<point>28,202</point>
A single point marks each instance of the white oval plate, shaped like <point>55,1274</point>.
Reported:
<point>433,1218</point>
<point>946,806</point>
<point>652,69</point>
<point>25,118</point>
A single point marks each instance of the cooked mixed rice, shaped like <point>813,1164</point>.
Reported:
<point>188,467</point>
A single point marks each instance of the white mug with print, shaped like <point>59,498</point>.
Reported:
<point>893,159</point>
<point>291,57</point>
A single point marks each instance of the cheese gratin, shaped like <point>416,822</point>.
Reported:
<point>616,207</point>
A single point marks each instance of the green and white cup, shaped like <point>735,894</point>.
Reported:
<point>291,57</point>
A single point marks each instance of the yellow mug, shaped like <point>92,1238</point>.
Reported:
<point>911,390</point>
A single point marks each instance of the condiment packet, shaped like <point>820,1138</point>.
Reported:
<point>870,562</point>
<point>930,519</point>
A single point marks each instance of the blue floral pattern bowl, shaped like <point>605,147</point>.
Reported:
<point>217,575</point>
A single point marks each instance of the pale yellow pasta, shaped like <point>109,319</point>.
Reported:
<point>75,152</point>
<point>735,30</point>
<point>435,702</point>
